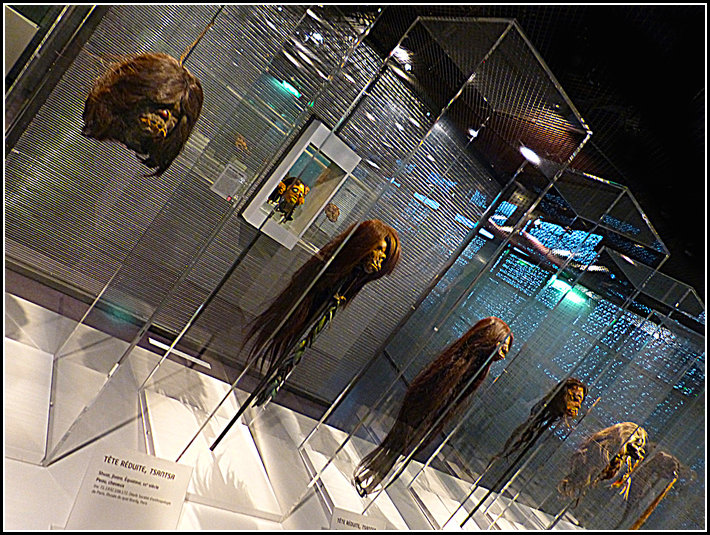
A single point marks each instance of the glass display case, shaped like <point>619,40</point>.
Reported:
<point>141,253</point>
<point>633,368</point>
<point>442,175</point>
<point>552,303</point>
<point>462,143</point>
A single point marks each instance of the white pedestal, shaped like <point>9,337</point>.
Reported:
<point>232,477</point>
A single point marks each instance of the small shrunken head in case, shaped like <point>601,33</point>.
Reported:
<point>149,102</point>
<point>568,401</point>
<point>288,195</point>
<point>332,212</point>
<point>603,456</point>
<point>373,261</point>
<point>562,402</point>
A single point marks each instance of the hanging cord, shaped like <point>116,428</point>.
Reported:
<point>189,50</point>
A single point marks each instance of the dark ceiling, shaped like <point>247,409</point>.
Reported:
<point>637,76</point>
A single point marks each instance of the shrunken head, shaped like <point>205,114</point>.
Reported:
<point>574,393</point>
<point>373,261</point>
<point>149,103</point>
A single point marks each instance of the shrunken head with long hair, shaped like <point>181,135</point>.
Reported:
<point>362,253</point>
<point>149,102</point>
<point>563,402</point>
<point>610,454</point>
<point>436,396</point>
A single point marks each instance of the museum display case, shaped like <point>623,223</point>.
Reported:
<point>121,240</point>
<point>439,197</point>
<point>552,306</point>
<point>341,213</point>
<point>646,367</point>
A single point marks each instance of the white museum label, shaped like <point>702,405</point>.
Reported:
<point>125,489</point>
<point>344,519</point>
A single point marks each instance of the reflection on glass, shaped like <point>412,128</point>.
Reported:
<point>300,197</point>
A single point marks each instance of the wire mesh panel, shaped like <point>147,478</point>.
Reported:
<point>629,391</point>
<point>475,117</point>
<point>590,338</point>
<point>464,140</point>
<point>250,114</point>
<point>543,287</point>
<point>582,337</point>
<point>425,195</point>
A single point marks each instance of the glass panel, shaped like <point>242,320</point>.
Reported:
<point>659,389</point>
<point>633,363</point>
<point>491,240</point>
<point>249,115</point>
<point>459,138</point>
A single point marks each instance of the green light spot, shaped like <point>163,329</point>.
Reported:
<point>559,285</point>
<point>562,286</point>
<point>288,87</point>
<point>574,297</point>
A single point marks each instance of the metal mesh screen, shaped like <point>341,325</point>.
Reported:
<point>75,208</point>
<point>432,183</point>
<point>424,189</point>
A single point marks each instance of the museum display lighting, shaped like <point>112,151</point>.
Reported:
<point>291,89</point>
<point>402,55</point>
<point>459,331</point>
<point>530,156</point>
<point>562,286</point>
<point>310,13</point>
<point>484,232</point>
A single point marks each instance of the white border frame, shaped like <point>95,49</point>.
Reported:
<point>322,138</point>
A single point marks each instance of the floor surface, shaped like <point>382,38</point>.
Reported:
<point>259,477</point>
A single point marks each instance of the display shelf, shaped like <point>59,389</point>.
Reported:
<point>395,504</point>
<point>337,490</point>
<point>232,479</point>
<point>33,380</point>
<point>26,396</point>
<point>253,473</point>
<point>256,464</point>
<point>433,490</point>
<point>27,375</point>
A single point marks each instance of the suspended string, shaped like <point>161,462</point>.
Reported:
<point>189,49</point>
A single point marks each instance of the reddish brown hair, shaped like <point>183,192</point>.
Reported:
<point>594,458</point>
<point>135,85</point>
<point>436,389</point>
<point>435,396</point>
<point>344,275</point>
<point>543,415</point>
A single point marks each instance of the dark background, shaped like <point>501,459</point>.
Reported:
<point>637,76</point>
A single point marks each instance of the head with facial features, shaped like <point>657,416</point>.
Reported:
<point>149,103</point>
<point>361,254</point>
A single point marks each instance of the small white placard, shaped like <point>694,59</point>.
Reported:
<point>343,519</point>
<point>232,182</point>
<point>124,489</point>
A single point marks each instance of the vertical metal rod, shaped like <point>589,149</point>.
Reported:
<point>642,519</point>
